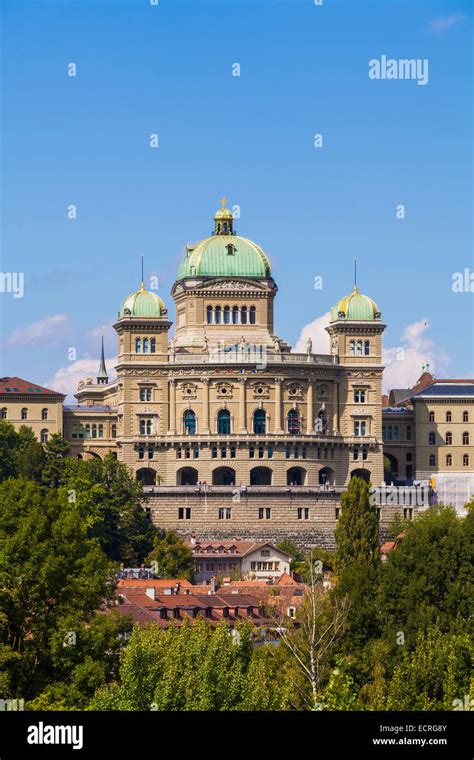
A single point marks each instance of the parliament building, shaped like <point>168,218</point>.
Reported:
<point>229,431</point>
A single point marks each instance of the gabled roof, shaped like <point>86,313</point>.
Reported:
<point>14,386</point>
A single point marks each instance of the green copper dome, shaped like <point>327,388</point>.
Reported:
<point>355,306</point>
<point>143,303</point>
<point>224,256</point>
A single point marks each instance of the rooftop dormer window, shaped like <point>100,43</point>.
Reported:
<point>230,249</point>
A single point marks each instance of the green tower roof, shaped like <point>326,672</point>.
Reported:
<point>355,306</point>
<point>143,303</point>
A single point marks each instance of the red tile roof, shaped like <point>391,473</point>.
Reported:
<point>19,386</point>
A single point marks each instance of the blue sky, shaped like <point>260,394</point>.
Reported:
<point>167,69</point>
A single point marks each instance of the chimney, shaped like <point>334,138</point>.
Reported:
<point>193,539</point>
<point>151,592</point>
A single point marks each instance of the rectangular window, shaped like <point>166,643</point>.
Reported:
<point>265,553</point>
<point>384,432</point>
<point>184,513</point>
<point>260,513</point>
<point>228,513</point>
<point>364,454</point>
<point>409,456</point>
<point>337,510</point>
<point>270,452</point>
<point>396,433</point>
<point>221,513</point>
<point>408,433</point>
<point>299,513</point>
<point>356,454</point>
<point>408,513</point>
<point>359,397</point>
<point>268,513</point>
<point>253,565</point>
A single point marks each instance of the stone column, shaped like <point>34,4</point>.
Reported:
<point>172,407</point>
<point>335,407</point>
<point>205,405</point>
<point>278,427</point>
<point>309,409</point>
<point>242,407</point>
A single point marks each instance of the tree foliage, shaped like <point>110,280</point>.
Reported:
<point>193,667</point>
<point>171,557</point>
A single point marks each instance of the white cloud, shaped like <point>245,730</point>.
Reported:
<point>445,22</point>
<point>403,363</point>
<point>47,331</point>
<point>315,330</point>
<point>66,379</point>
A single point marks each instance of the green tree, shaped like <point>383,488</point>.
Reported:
<point>29,455</point>
<point>357,530</point>
<point>172,557</point>
<point>435,674</point>
<point>194,667</point>
<point>55,454</point>
<point>8,446</point>
<point>428,578</point>
<point>111,502</point>
<point>358,563</point>
<point>53,579</point>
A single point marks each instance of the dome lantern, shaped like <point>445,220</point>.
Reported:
<point>223,220</point>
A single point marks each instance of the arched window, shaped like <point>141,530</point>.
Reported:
<point>209,315</point>
<point>366,347</point>
<point>44,414</point>
<point>449,417</point>
<point>352,347</point>
<point>449,439</point>
<point>294,424</point>
<point>113,430</point>
<point>146,346</point>
<point>259,421</point>
<point>44,436</point>
<point>101,430</point>
<point>3,413</point>
<point>218,315</point>
<point>87,431</point>
<point>465,460</point>
<point>153,346</point>
<point>432,460</point>
<point>243,315</point>
<point>465,439</point>
<point>465,416</point>
<point>235,315</point>
<point>94,430</point>
<point>359,348</point>
<point>252,315</point>
<point>230,249</point>
<point>432,417</point>
<point>138,345</point>
<point>223,421</point>
<point>449,460</point>
<point>189,421</point>
<point>24,413</point>
<point>226,315</point>
<point>74,430</point>
<point>431,439</point>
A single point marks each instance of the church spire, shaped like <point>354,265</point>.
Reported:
<point>102,377</point>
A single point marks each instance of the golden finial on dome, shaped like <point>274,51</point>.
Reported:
<point>223,202</point>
